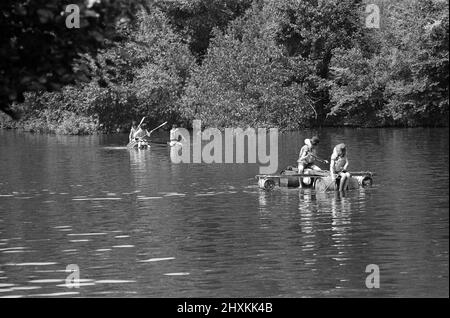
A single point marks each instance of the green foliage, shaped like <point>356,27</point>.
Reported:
<point>38,49</point>
<point>357,94</point>
<point>66,123</point>
<point>244,79</point>
<point>309,31</point>
<point>144,76</point>
<point>405,81</point>
<point>141,76</point>
<point>196,19</point>
<point>73,124</point>
<point>52,113</point>
<point>283,63</point>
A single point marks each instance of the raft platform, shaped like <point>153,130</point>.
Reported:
<point>318,180</point>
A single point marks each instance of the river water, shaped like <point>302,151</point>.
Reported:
<point>134,224</point>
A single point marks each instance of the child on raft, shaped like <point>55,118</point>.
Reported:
<point>339,165</point>
<point>307,155</point>
<point>140,134</point>
<point>133,130</point>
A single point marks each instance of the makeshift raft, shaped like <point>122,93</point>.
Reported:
<point>144,144</point>
<point>319,180</point>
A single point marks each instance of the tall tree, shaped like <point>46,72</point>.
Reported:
<point>404,80</point>
<point>244,79</point>
<point>143,75</point>
<point>37,47</point>
<point>195,19</point>
<point>309,31</point>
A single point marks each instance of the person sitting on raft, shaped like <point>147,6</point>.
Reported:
<point>339,165</point>
<point>307,155</point>
<point>140,134</point>
<point>133,130</point>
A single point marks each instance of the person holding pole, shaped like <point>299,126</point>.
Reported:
<point>307,155</point>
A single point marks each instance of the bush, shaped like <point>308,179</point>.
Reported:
<point>244,80</point>
<point>73,124</point>
<point>405,81</point>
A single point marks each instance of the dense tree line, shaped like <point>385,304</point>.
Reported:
<point>37,48</point>
<point>267,63</point>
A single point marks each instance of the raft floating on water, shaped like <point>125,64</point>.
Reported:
<point>319,180</point>
<point>144,144</point>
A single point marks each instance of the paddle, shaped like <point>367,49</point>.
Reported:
<point>161,143</point>
<point>142,120</point>
<point>157,128</point>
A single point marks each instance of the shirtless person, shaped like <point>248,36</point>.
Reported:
<point>307,155</point>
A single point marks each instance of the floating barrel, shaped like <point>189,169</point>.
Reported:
<point>307,182</point>
<point>266,183</point>
<point>365,181</point>
<point>353,184</point>
<point>327,184</point>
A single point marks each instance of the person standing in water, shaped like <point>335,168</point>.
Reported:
<point>173,136</point>
<point>339,165</point>
<point>174,141</point>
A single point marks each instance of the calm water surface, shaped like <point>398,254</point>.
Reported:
<point>137,225</point>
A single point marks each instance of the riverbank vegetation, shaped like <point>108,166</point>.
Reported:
<point>276,63</point>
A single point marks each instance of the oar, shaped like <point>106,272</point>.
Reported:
<point>162,143</point>
<point>157,127</point>
<point>142,120</point>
